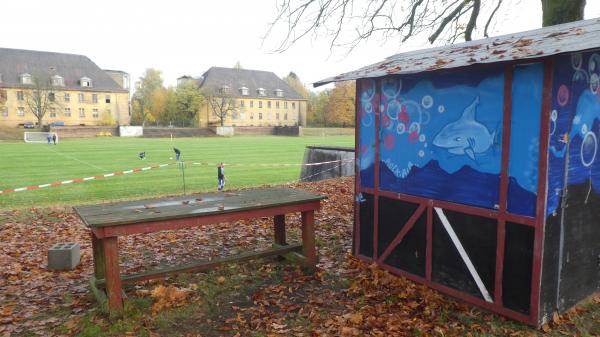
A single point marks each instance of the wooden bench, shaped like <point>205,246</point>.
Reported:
<point>109,221</point>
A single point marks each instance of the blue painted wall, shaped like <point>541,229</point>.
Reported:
<point>574,125</point>
<point>368,101</point>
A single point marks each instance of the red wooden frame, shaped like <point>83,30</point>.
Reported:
<point>501,215</point>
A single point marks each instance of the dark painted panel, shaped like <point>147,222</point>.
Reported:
<point>393,214</point>
<point>409,255</point>
<point>366,213</point>
<point>549,282</point>
<point>518,262</point>
<point>478,237</point>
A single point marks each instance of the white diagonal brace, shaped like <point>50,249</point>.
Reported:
<point>463,254</point>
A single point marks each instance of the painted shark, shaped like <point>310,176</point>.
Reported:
<point>465,135</point>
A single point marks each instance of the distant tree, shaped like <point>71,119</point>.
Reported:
<point>221,102</point>
<point>340,106</point>
<point>294,81</point>
<point>188,101</point>
<point>318,115</point>
<point>238,65</point>
<point>147,96</point>
<point>347,23</point>
<point>40,97</point>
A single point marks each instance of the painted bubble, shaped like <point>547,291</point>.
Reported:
<point>563,95</point>
<point>414,127</point>
<point>422,138</point>
<point>413,136</point>
<point>393,109</point>
<point>387,122</point>
<point>594,63</point>
<point>554,115</point>
<point>589,147</point>
<point>368,90</point>
<point>594,83</point>
<point>421,153</point>
<point>427,101</point>
<point>391,87</point>
<point>584,129</point>
<point>401,128</point>
<point>441,108</point>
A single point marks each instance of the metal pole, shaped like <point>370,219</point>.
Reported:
<point>181,165</point>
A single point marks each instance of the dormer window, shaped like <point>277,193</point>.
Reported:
<point>224,89</point>
<point>85,82</point>
<point>261,92</point>
<point>58,81</point>
<point>25,78</point>
<point>278,93</point>
<point>244,91</point>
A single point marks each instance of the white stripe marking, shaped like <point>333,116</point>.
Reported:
<point>45,185</point>
<point>89,178</point>
<point>66,182</point>
<point>128,171</point>
<point>109,175</point>
<point>20,189</point>
<point>463,254</point>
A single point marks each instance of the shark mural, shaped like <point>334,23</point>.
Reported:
<point>466,135</point>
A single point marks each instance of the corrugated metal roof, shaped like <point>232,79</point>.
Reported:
<point>568,37</point>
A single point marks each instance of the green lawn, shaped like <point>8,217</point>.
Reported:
<point>32,164</point>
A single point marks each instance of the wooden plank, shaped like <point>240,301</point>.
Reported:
<point>99,294</point>
<point>200,266</point>
<point>178,223</point>
<point>98,254</point>
<point>113,279</point>
<point>308,239</point>
<point>279,229</point>
<point>173,208</point>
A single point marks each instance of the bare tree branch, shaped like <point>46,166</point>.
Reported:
<point>489,20</point>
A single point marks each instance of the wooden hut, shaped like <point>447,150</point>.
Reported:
<point>477,172</point>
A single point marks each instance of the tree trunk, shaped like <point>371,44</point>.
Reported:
<point>40,120</point>
<point>561,11</point>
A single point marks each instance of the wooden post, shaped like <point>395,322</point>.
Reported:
<point>113,277</point>
<point>279,228</point>
<point>308,239</point>
<point>98,253</point>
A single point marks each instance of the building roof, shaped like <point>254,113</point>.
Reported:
<point>216,77</point>
<point>71,67</point>
<point>568,37</point>
<point>116,71</point>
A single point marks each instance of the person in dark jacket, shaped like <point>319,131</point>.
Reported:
<point>220,176</point>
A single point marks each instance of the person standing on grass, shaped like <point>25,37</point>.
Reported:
<point>221,176</point>
<point>54,138</point>
<point>49,138</point>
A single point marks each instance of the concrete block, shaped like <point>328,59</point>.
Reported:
<point>63,256</point>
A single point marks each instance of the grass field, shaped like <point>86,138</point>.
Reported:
<point>32,164</point>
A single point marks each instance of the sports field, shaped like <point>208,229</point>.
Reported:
<point>24,164</point>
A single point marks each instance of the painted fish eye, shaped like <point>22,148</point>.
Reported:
<point>457,139</point>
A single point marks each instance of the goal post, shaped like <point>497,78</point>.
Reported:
<point>39,137</point>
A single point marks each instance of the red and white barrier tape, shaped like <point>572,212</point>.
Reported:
<point>80,180</point>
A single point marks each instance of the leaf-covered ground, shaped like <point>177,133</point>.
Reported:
<point>268,297</point>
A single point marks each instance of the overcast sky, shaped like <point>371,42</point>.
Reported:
<point>182,37</point>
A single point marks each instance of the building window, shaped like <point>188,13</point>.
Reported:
<point>67,97</point>
<point>277,115</point>
<point>81,97</point>
<point>269,104</point>
<point>21,111</point>
<point>278,93</point>
<point>277,104</point>
<point>85,82</point>
<point>94,98</point>
<point>81,112</point>
<point>285,116</point>
<point>260,104</point>
<point>261,92</point>
<point>252,115</point>
<point>94,113</point>
<point>51,97</point>
<point>260,115</point>
<point>244,91</point>
<point>67,112</point>
<point>25,78</point>
<point>52,112</point>
<point>4,111</point>
<point>19,95</point>
<point>107,99</point>
<point>293,105</point>
<point>285,105</point>
<point>241,103</point>
<point>252,104</point>
<point>58,81</point>
<point>224,89</point>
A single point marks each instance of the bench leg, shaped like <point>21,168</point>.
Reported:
<point>279,229</point>
<point>98,252</point>
<point>308,239</point>
<point>113,277</point>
